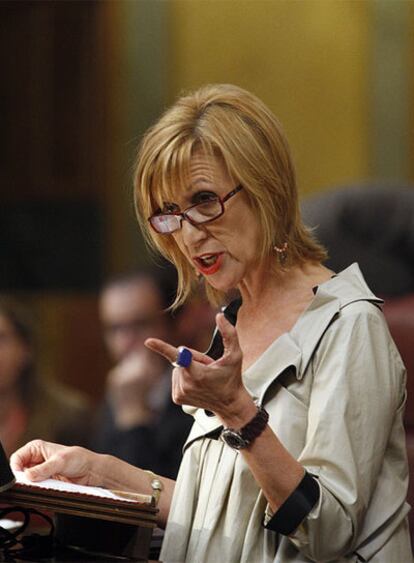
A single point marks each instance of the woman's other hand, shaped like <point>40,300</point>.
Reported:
<point>213,385</point>
<point>43,460</point>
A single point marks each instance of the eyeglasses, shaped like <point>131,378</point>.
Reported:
<point>132,326</point>
<point>198,214</point>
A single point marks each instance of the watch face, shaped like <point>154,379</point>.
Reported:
<point>233,439</point>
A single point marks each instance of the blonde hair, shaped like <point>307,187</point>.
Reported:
<point>233,124</point>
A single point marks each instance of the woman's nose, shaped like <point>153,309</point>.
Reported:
<point>192,234</point>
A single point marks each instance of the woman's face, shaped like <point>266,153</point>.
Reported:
<point>226,250</point>
<point>14,354</point>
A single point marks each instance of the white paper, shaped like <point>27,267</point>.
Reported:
<point>9,524</point>
<point>56,485</point>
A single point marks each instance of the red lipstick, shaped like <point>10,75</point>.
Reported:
<point>209,264</point>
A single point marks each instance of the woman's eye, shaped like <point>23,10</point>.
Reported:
<point>203,197</point>
<point>170,207</point>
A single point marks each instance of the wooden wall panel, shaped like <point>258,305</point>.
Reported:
<point>51,100</point>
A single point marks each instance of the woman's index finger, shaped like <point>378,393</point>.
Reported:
<point>163,348</point>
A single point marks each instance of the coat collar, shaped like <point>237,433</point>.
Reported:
<point>296,348</point>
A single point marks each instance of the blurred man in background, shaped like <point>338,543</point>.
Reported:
<point>372,224</point>
<point>139,422</point>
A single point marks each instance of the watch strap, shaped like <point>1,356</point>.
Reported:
<point>255,427</point>
<point>250,431</point>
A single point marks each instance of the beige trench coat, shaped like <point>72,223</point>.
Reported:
<point>335,391</point>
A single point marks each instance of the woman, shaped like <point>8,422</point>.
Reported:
<point>297,450</point>
<point>28,407</point>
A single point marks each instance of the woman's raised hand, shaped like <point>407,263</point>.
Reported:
<point>43,460</point>
<point>213,385</point>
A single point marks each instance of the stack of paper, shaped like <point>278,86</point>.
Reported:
<point>80,500</point>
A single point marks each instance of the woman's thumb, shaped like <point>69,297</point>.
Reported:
<point>228,334</point>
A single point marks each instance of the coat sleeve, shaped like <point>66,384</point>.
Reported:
<point>357,397</point>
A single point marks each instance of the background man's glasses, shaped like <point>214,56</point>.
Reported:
<point>132,326</point>
<point>198,214</point>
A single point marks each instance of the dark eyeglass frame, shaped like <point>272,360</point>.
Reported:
<point>184,214</point>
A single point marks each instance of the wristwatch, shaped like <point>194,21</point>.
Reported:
<point>240,439</point>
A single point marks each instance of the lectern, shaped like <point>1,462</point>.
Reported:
<point>89,520</point>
